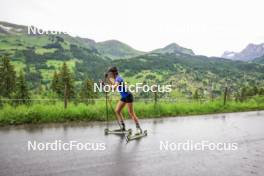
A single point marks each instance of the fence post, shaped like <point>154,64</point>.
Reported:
<point>211,93</point>
<point>65,97</point>
<point>156,107</point>
<point>155,96</point>
<point>225,95</point>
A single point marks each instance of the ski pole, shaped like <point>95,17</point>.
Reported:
<point>114,113</point>
<point>106,104</point>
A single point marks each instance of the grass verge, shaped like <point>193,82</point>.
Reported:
<point>55,112</point>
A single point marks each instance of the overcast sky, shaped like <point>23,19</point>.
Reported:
<point>209,27</point>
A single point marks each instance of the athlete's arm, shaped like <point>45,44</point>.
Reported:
<point>113,83</point>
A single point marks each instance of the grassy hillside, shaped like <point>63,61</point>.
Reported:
<point>117,50</point>
<point>40,55</point>
<point>173,48</point>
<point>188,73</point>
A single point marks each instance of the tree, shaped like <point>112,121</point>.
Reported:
<point>243,93</point>
<point>66,81</point>
<point>61,80</point>
<point>261,91</point>
<point>7,78</point>
<point>55,84</point>
<point>255,90</point>
<point>196,94</point>
<point>87,91</point>
<point>22,92</point>
<point>39,90</point>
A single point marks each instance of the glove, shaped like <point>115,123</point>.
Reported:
<point>102,82</point>
<point>106,75</point>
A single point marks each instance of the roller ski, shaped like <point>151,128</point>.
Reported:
<point>139,134</point>
<point>117,131</point>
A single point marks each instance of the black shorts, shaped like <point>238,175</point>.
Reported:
<point>128,99</point>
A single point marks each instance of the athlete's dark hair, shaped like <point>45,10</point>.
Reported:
<point>113,70</point>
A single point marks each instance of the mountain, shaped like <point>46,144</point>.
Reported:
<point>12,29</point>
<point>259,60</point>
<point>88,42</point>
<point>113,49</point>
<point>173,48</point>
<point>229,55</point>
<point>117,50</point>
<point>251,52</point>
<point>39,56</point>
<point>187,72</point>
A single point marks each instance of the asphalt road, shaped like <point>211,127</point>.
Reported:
<point>142,157</point>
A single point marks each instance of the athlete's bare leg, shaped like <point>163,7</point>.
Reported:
<point>132,112</point>
<point>118,111</point>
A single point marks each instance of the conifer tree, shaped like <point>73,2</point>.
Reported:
<point>87,91</point>
<point>66,80</point>
<point>55,84</point>
<point>22,92</point>
<point>196,94</point>
<point>7,78</point>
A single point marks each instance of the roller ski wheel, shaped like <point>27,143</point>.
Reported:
<point>130,136</point>
<point>106,131</point>
<point>117,131</point>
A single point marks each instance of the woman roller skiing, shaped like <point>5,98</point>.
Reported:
<point>126,99</point>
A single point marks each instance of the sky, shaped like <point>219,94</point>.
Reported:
<point>208,27</point>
